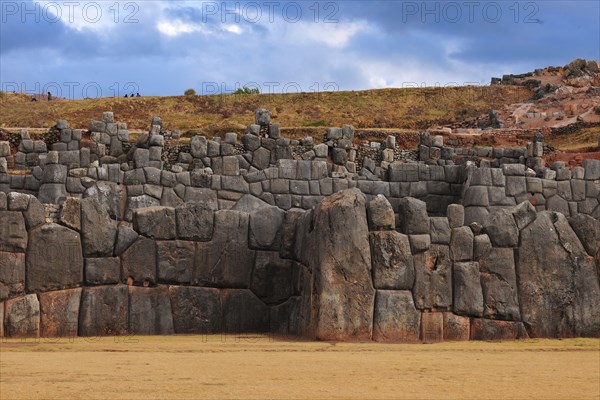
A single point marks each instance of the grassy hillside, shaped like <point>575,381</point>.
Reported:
<point>382,109</point>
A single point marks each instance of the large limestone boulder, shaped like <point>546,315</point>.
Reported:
<point>155,222</point>
<point>489,329</point>
<point>558,282</point>
<point>587,229</point>
<point>54,258</point>
<point>285,317</point>
<point>150,311</point>
<point>139,261</point>
<point>433,278</point>
<point>499,283</point>
<point>413,218</point>
<point>194,222</point>
<point>112,196</point>
<point>98,230</point>
<point>195,309</point>
<point>12,274</point>
<point>175,260</point>
<point>396,319</point>
<point>456,327</point>
<point>265,225</point>
<point>243,312</point>
<point>272,277</point>
<point>104,311</point>
<point>13,234</point>
<point>502,228</point>
<point>225,261</point>
<point>340,257</point>
<point>381,214</point>
<point>60,313</point>
<point>22,317</point>
<point>392,261</point>
<point>468,296</point>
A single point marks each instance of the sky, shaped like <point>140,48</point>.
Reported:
<point>78,49</point>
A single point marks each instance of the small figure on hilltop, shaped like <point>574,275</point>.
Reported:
<point>138,95</point>
<point>49,96</point>
<point>126,95</point>
<point>33,98</point>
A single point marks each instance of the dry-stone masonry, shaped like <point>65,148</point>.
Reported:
<point>103,236</point>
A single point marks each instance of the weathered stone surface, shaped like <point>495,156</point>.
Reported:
<point>499,283</point>
<point>592,169</point>
<point>98,230</point>
<point>70,213</point>
<point>139,261</point>
<point>419,243</point>
<point>524,214</point>
<point>150,311</point>
<point>433,278</point>
<point>59,313</point>
<point>391,260</point>
<point>55,173</point>
<point>265,226</point>
<point>285,317</point>
<point>22,317</point>
<point>194,222</point>
<point>12,274</point>
<point>432,327</point>
<point>341,310</point>
<point>155,222</point>
<point>243,312</point>
<point>395,318</point>
<point>175,260</point>
<point>13,233</point>
<point>113,197</point>
<point>456,215</point>
<point>198,147</point>
<point>558,282</point>
<point>461,244</point>
<point>381,214</point>
<point>249,203</point>
<point>456,328</point>
<point>35,213</point>
<point>54,259</point>
<point>225,261</point>
<point>125,238</point>
<point>413,218</point>
<point>502,229</point>
<point>104,311</point>
<point>468,296</point>
<point>488,329</point>
<point>440,230</point>
<point>272,277</point>
<point>587,230</point>
<point>102,271</point>
<point>288,233</point>
<point>206,197</point>
<point>195,310</point>
<point>481,246</point>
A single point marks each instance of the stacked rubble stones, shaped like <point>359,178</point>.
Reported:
<point>248,239</point>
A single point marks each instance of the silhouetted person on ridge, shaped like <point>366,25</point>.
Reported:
<point>126,95</point>
<point>138,95</point>
<point>49,96</point>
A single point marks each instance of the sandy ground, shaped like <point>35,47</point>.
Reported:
<point>226,367</point>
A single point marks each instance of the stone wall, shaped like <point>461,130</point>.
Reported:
<point>262,237</point>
